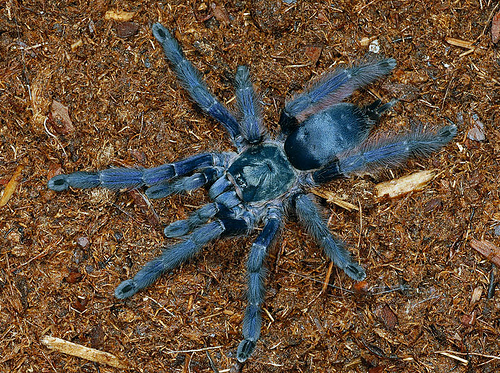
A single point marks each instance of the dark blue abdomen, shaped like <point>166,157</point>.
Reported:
<point>322,136</point>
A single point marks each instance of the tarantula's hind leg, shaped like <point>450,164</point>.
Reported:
<point>390,152</point>
<point>311,219</point>
<point>111,178</point>
<point>171,258</point>
<point>256,271</point>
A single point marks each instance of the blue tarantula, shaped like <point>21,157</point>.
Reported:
<point>321,139</point>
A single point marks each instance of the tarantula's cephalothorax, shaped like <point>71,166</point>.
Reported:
<point>321,139</point>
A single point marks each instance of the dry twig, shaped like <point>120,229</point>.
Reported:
<point>83,352</point>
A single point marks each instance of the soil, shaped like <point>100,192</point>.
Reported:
<point>84,86</point>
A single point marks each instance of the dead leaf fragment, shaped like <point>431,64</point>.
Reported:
<point>433,204</point>
<point>489,250</point>
<point>468,320</point>
<point>361,287</point>
<point>146,207</point>
<point>403,185</point>
<point>476,133</point>
<point>126,29</point>
<point>76,45</point>
<point>365,41</point>
<point>387,316</point>
<point>313,53</point>
<point>220,13</point>
<point>11,186</point>
<point>83,352</point>
<point>73,277</point>
<point>495,28</point>
<point>59,115</point>
<point>80,304</point>
<point>119,15</point>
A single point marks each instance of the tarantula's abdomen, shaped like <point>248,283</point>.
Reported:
<point>318,139</point>
<point>261,173</point>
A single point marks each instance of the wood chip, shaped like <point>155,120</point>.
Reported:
<point>460,43</point>
<point>365,41</point>
<point>489,250</point>
<point>119,15</point>
<point>83,352</point>
<point>11,186</point>
<point>459,359</point>
<point>403,185</point>
<point>476,133</point>
<point>220,13</point>
<point>476,295</point>
<point>146,207</point>
<point>76,45</point>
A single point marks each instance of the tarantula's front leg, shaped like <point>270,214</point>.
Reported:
<point>251,126</point>
<point>191,81</point>
<point>311,219</point>
<point>175,255</point>
<point>331,89</point>
<point>255,266</point>
<point>118,178</point>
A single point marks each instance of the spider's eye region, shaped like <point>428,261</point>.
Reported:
<point>261,173</point>
<point>240,180</point>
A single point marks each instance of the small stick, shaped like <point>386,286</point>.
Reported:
<point>332,198</point>
<point>190,351</point>
<point>463,361</point>
<point>83,352</point>
<point>327,277</point>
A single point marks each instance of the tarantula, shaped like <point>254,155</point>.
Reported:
<point>321,139</point>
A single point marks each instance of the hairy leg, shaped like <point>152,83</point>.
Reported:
<point>256,271</point>
<point>118,178</point>
<point>331,89</point>
<point>391,152</point>
<point>180,228</point>
<point>192,82</point>
<point>175,255</point>
<point>251,122</point>
<point>311,219</point>
<point>185,184</point>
